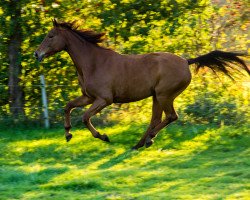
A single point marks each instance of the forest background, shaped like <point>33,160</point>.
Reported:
<point>187,28</point>
<point>204,155</point>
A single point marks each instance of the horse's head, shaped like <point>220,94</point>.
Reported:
<point>52,43</point>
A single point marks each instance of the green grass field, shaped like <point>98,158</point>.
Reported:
<point>185,162</point>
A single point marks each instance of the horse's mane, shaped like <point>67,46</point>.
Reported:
<point>88,35</point>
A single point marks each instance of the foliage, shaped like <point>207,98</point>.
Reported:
<point>191,162</point>
<point>186,28</point>
<point>223,104</point>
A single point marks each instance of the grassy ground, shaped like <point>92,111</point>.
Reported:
<point>185,162</point>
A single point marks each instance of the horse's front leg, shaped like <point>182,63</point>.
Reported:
<point>96,107</point>
<point>77,102</point>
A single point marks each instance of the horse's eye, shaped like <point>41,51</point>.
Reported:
<point>51,36</point>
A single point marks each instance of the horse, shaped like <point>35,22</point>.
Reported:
<point>107,77</point>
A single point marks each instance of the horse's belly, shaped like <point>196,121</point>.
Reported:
<point>128,99</point>
<point>131,96</point>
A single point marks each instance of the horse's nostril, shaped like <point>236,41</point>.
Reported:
<point>36,54</point>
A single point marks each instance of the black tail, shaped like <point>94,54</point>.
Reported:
<point>220,61</point>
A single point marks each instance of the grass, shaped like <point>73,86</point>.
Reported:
<point>185,162</point>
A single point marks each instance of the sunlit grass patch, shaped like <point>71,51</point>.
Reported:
<point>191,162</point>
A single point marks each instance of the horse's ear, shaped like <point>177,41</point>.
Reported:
<point>55,23</point>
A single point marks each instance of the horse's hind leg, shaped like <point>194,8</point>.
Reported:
<point>155,120</point>
<point>171,115</point>
<point>77,102</point>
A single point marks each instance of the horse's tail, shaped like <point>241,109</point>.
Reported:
<point>220,61</point>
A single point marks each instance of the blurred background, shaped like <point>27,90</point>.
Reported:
<point>204,155</point>
<point>187,28</point>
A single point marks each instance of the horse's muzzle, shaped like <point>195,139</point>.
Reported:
<point>38,57</point>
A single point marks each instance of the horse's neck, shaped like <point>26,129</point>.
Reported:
<point>82,53</point>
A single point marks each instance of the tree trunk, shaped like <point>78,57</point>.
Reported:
<point>16,95</point>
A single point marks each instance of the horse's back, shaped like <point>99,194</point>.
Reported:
<point>165,66</point>
<point>141,75</point>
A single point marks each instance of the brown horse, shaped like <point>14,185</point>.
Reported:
<point>108,77</point>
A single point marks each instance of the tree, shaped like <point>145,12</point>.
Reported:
<point>16,95</point>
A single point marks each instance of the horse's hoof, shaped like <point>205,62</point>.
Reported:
<point>135,148</point>
<point>68,137</point>
<point>105,138</point>
<point>149,143</point>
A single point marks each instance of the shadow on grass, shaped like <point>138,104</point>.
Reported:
<point>15,134</point>
<point>129,154</point>
<point>78,186</point>
<point>19,176</point>
<point>54,153</point>
<point>209,160</point>
<point>15,182</point>
<point>223,163</point>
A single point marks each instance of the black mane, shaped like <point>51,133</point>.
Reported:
<point>88,35</point>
